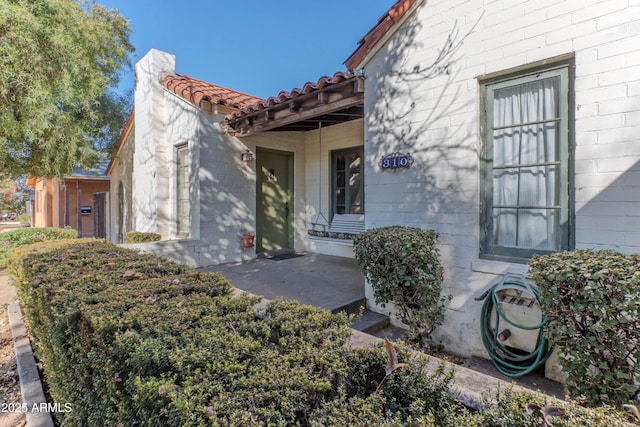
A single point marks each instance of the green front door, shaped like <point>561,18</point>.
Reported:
<point>274,200</point>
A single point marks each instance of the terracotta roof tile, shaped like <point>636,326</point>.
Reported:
<point>375,34</point>
<point>196,91</point>
<point>283,96</point>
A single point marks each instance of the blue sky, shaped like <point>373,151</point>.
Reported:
<point>256,47</point>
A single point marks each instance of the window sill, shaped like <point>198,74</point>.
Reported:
<point>498,267</point>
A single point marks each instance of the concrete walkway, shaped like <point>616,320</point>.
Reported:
<point>320,280</point>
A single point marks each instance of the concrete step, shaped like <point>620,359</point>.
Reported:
<point>351,307</point>
<point>371,322</point>
<point>392,333</point>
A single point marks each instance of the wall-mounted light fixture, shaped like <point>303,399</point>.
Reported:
<point>246,156</point>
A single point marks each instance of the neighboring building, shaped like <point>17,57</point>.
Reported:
<point>70,201</point>
<point>510,128</point>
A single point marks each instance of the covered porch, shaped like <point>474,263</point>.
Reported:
<point>317,203</point>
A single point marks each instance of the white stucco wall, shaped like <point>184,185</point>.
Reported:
<point>434,116</point>
<point>122,172</point>
<point>221,186</point>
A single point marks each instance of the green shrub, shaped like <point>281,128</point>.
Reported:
<point>591,300</point>
<point>140,237</point>
<point>403,267</point>
<point>24,218</point>
<point>509,408</point>
<point>27,236</point>
<point>135,340</point>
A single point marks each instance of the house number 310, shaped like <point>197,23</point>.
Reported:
<point>396,161</point>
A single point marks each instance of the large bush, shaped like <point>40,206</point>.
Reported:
<point>403,267</point>
<point>591,300</point>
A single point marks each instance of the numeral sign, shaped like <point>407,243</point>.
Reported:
<point>396,161</point>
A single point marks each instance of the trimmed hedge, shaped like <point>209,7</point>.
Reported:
<point>140,237</point>
<point>591,300</point>
<point>135,340</point>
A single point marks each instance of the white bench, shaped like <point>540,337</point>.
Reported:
<point>347,223</point>
<point>342,227</point>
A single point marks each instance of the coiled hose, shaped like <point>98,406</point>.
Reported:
<point>511,362</point>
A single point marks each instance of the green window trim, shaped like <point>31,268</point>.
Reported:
<point>508,170</point>
<point>347,181</point>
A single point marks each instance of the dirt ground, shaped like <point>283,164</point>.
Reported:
<point>10,397</point>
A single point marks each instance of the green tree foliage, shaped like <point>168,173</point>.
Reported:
<point>58,58</point>
<point>14,194</point>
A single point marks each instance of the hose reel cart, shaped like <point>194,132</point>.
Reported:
<point>512,326</point>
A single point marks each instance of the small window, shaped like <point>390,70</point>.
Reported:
<point>525,206</point>
<point>183,199</point>
<point>347,183</point>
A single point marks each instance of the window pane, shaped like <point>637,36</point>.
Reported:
<point>340,162</point>
<point>526,144</point>
<point>354,162</point>
<point>340,196</point>
<point>538,229</point>
<point>354,181</point>
<point>538,186</point>
<point>505,225</point>
<point>534,101</point>
<point>526,228</point>
<point>505,187</point>
<point>354,196</point>
<point>340,179</point>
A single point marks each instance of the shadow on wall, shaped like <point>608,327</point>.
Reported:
<point>611,217</point>
<point>423,108</point>
<point>429,109</point>
<point>221,190</point>
<point>226,192</point>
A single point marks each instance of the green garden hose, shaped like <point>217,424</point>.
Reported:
<point>508,361</point>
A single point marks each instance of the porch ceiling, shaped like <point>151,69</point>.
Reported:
<point>330,101</point>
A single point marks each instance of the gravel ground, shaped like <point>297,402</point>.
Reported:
<point>10,397</point>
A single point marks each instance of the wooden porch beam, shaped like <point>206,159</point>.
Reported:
<point>304,113</point>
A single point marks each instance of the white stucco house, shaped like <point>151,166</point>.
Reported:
<point>510,128</point>
<point>182,171</point>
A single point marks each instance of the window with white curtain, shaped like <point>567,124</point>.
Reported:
<point>525,169</point>
<point>183,197</point>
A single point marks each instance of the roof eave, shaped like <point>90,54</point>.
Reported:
<point>381,33</point>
